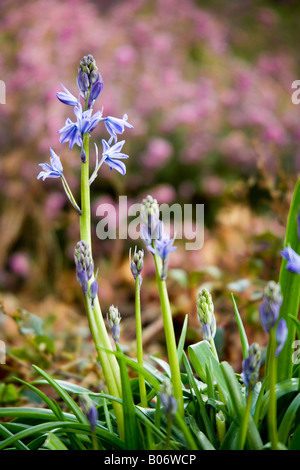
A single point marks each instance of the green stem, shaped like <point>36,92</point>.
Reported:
<point>169,432</point>
<point>272,410</point>
<point>244,426</point>
<point>170,336</point>
<point>213,348</point>
<point>139,341</point>
<point>108,362</point>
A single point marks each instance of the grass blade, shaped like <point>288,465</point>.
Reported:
<point>243,336</point>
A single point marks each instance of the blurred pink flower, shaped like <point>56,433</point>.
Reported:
<point>19,264</point>
<point>158,152</point>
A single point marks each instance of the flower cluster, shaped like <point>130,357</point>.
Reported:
<point>90,85</point>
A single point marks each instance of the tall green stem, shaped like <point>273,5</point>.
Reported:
<point>170,336</point>
<point>139,341</point>
<point>99,333</point>
<point>272,410</point>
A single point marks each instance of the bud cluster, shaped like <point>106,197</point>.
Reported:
<point>113,320</point>
<point>167,399</point>
<point>251,366</point>
<point>137,263</point>
<point>270,307</point>
<point>89,79</point>
<point>84,265</point>
<point>205,309</point>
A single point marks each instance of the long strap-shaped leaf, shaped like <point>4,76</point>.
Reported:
<point>290,287</point>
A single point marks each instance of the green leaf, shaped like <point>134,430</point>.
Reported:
<point>200,354</point>
<point>290,287</point>
<point>130,421</point>
<point>202,409</point>
<point>295,444</point>
<point>28,323</point>
<point>281,389</point>
<point>181,342</point>
<point>285,428</point>
<point>64,395</point>
<point>54,443</point>
<point>253,436</point>
<point>243,336</point>
<point>64,426</point>
<point>8,393</point>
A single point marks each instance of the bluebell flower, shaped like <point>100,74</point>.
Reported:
<point>113,155</point>
<point>163,247</point>
<point>251,366</point>
<point>116,126</point>
<point>66,97</point>
<point>293,259</point>
<point>281,335</point>
<point>72,132</point>
<point>54,170</point>
<point>270,307</point>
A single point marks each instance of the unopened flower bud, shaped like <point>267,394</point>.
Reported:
<point>114,319</point>
<point>89,410</point>
<point>167,399</point>
<point>137,264</point>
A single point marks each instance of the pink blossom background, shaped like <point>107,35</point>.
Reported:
<point>203,86</point>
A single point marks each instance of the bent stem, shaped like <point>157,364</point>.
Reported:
<point>139,342</point>
<point>170,336</point>
<point>108,362</point>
